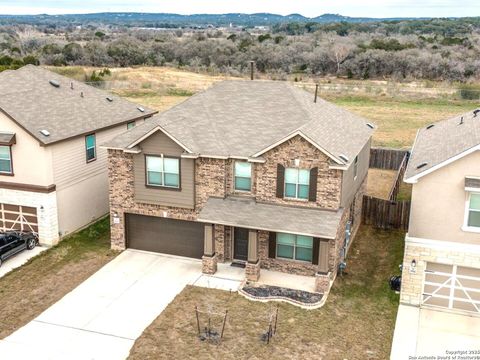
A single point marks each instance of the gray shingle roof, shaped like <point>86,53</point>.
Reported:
<point>443,141</point>
<point>245,212</point>
<point>29,98</point>
<point>242,118</point>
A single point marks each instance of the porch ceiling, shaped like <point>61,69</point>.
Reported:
<point>247,213</point>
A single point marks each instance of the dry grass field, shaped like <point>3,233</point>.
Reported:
<point>356,322</point>
<point>397,117</point>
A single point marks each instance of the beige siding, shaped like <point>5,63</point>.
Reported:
<point>32,163</point>
<point>82,203</point>
<point>350,185</point>
<point>158,144</point>
<point>438,202</point>
<point>69,158</point>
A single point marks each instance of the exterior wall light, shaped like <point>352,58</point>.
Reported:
<point>413,267</point>
<point>297,162</point>
<point>116,218</point>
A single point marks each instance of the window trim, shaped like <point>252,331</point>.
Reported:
<point>466,227</point>
<point>163,187</point>
<point>94,148</point>
<point>130,123</point>
<point>242,177</point>
<point>294,249</point>
<point>297,184</point>
<point>11,173</point>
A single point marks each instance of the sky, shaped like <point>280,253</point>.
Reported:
<point>311,8</point>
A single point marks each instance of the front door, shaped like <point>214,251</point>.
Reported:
<point>240,247</point>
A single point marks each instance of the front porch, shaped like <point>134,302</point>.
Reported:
<point>274,245</point>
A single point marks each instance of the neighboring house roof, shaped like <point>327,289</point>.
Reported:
<point>247,118</point>
<point>442,143</point>
<point>28,97</point>
<point>245,212</point>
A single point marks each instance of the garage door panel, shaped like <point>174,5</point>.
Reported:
<point>457,288</point>
<point>18,217</point>
<point>169,236</point>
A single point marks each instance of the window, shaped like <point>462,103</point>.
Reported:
<point>474,210</point>
<point>163,171</point>
<point>297,183</point>
<point>295,247</point>
<point>243,176</point>
<point>355,167</point>
<point>5,160</point>
<point>130,125</point>
<point>90,147</point>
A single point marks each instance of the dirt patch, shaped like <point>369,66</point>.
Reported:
<point>380,182</point>
<point>29,290</point>
<point>356,322</point>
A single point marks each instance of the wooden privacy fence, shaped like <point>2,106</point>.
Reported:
<point>389,159</point>
<point>385,214</point>
<point>398,179</point>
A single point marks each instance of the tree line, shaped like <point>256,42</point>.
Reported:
<point>441,49</point>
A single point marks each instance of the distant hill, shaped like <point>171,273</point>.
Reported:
<point>177,20</point>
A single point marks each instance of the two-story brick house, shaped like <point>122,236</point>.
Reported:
<point>255,172</point>
<point>53,175</point>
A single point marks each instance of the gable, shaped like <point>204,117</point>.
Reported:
<point>159,143</point>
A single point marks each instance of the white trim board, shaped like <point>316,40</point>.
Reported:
<point>443,245</point>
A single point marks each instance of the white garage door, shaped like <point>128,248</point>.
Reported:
<point>452,287</point>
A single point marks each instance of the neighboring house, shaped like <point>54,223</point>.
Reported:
<point>53,176</point>
<point>253,172</point>
<point>442,247</point>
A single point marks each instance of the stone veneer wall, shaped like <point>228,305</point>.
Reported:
<point>209,181</point>
<point>412,283</point>
<point>329,182</point>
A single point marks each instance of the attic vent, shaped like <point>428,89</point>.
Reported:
<point>422,165</point>
<point>370,125</point>
<point>343,157</point>
<point>54,83</point>
<point>430,126</point>
<point>45,132</point>
<point>475,112</point>
<point>141,109</point>
<point>109,98</point>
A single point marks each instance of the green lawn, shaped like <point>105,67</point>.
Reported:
<point>29,290</point>
<point>357,321</point>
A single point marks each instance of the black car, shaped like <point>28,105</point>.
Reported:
<point>13,242</point>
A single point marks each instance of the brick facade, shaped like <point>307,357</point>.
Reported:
<point>412,282</point>
<point>215,177</point>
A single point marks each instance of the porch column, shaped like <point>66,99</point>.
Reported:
<point>209,259</point>
<point>252,269</point>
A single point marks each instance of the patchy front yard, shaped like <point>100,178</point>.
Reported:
<point>357,321</point>
<point>29,290</point>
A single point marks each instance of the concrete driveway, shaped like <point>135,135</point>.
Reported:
<point>103,316</point>
<point>20,259</point>
<point>427,332</point>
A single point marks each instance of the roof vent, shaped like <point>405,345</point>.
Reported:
<point>430,126</point>
<point>141,109</point>
<point>461,121</point>
<point>109,98</point>
<point>475,112</point>
<point>81,94</point>
<point>54,83</point>
<point>45,132</point>
<point>370,125</point>
<point>343,157</point>
<point>422,165</point>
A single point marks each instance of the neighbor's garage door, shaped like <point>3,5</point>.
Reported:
<point>452,287</point>
<point>17,217</point>
<point>175,237</point>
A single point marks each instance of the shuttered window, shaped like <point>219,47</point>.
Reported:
<point>243,176</point>
<point>295,247</point>
<point>163,171</point>
<point>297,183</point>
<point>5,160</point>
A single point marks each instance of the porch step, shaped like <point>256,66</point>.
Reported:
<point>238,264</point>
